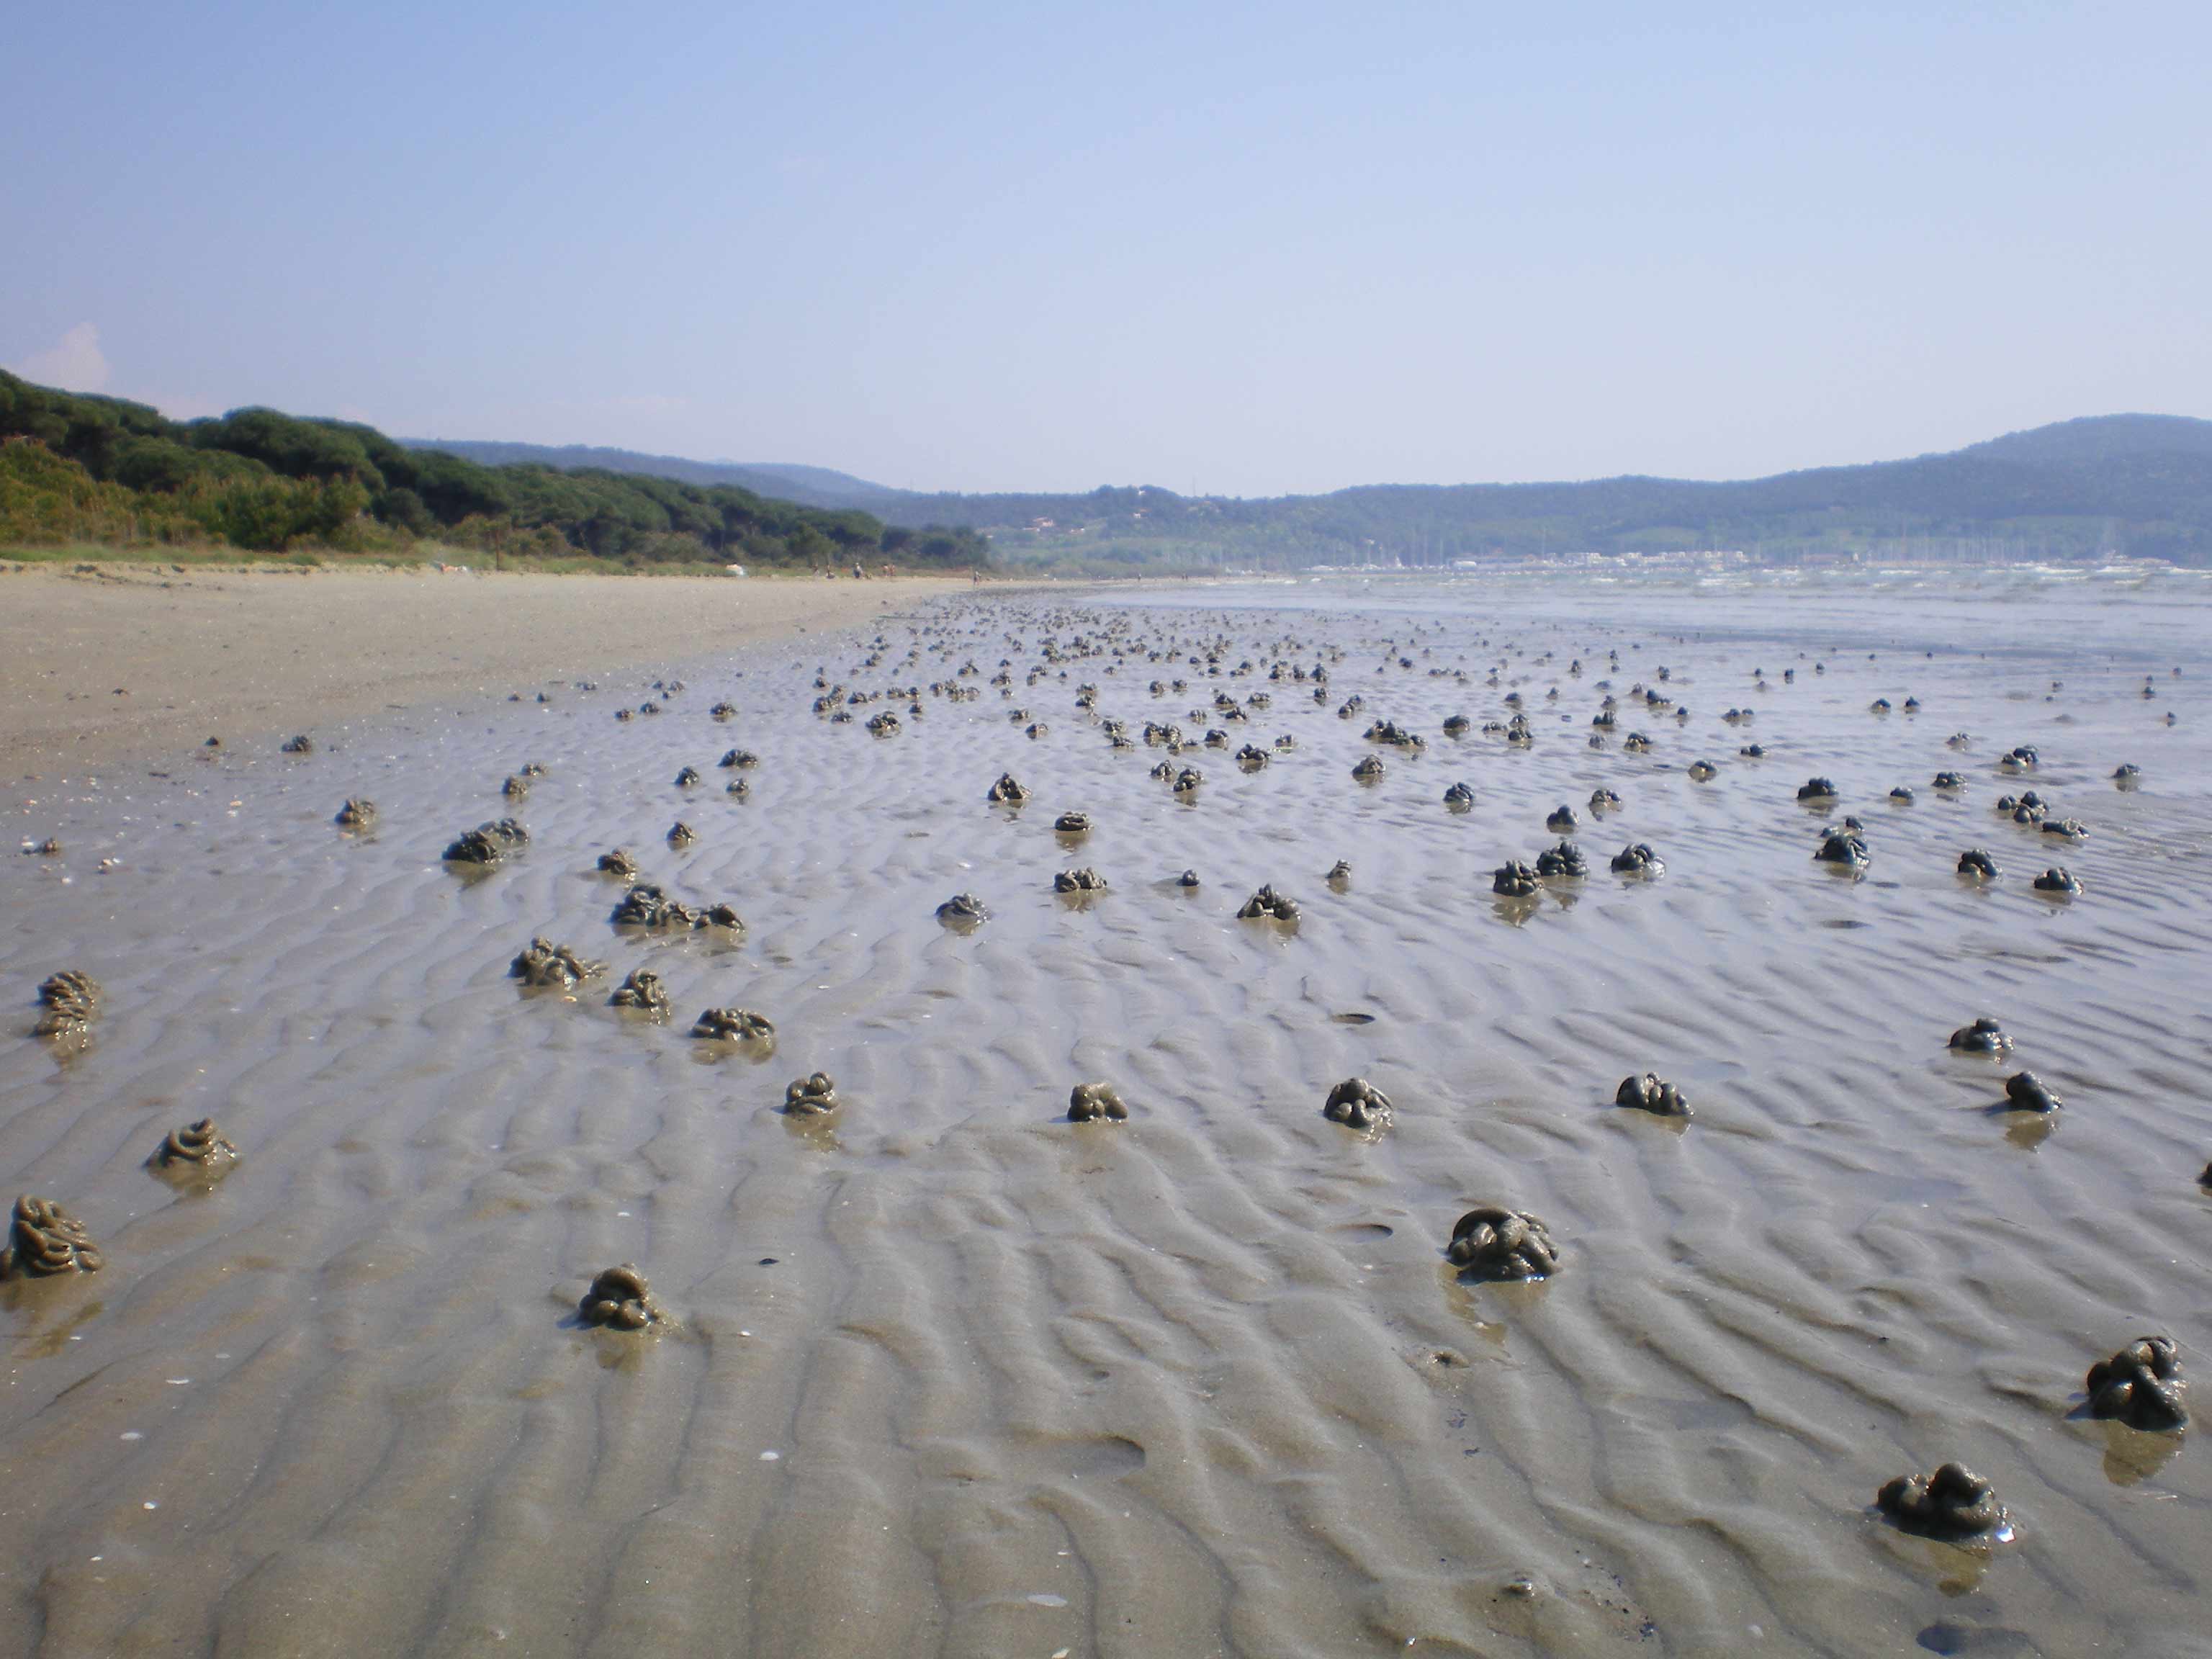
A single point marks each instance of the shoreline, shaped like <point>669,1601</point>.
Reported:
<point>127,662</point>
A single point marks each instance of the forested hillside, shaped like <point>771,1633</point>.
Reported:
<point>79,469</point>
<point>810,486</point>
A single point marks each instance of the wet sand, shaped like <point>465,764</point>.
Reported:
<point>949,1374</point>
<point>125,661</point>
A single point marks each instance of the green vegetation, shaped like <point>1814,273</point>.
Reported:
<point>76,470</point>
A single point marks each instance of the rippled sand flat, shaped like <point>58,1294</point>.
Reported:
<point>953,1375</point>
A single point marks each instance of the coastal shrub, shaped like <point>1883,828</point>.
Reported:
<point>289,446</point>
<point>404,510</point>
<point>269,513</point>
<point>112,470</point>
<point>46,500</point>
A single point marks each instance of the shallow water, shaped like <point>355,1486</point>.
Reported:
<point>953,1376</point>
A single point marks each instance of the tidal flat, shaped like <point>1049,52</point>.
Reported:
<point>928,1368</point>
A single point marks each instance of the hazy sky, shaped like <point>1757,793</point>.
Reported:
<point>1241,249</point>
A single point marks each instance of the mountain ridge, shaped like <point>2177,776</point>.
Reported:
<point>807,486</point>
<point>2097,485</point>
<point>2144,433</point>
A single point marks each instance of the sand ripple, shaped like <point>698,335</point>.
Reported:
<point>951,1374</point>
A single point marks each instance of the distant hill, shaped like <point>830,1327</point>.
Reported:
<point>808,486</point>
<point>846,490</point>
<point>2112,484</point>
<point>2100,438</point>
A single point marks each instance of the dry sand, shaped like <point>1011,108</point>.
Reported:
<point>122,661</point>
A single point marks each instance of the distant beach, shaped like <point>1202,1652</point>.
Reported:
<point>124,661</point>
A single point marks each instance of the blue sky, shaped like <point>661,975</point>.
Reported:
<point>1238,249</point>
